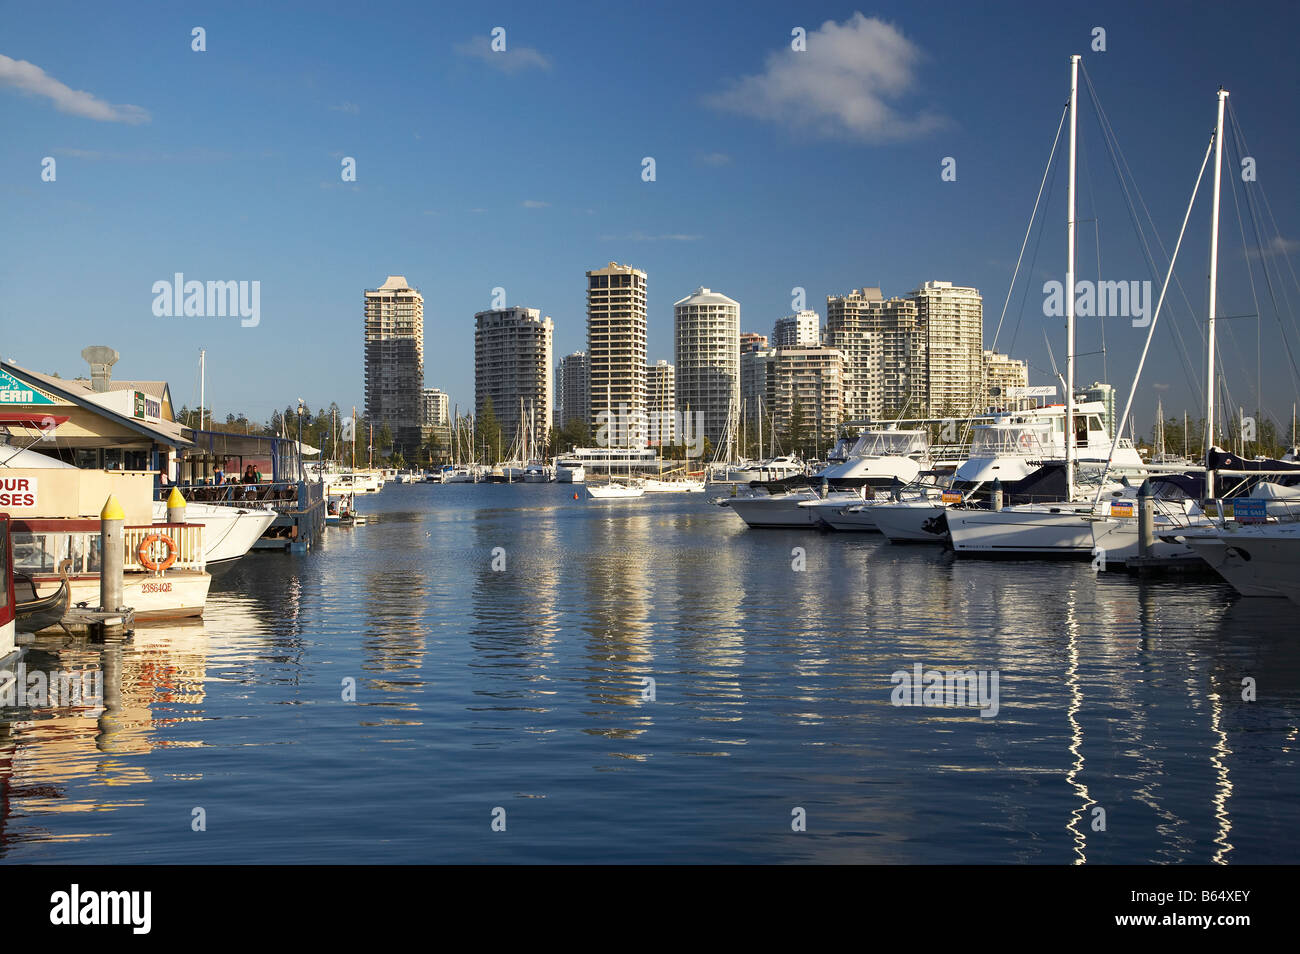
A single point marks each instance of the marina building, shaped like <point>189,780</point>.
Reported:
<point>1000,373</point>
<point>571,389</point>
<point>616,341</point>
<point>661,402</point>
<point>752,341</point>
<point>512,366</point>
<point>394,356</point>
<point>707,341</point>
<point>803,329</point>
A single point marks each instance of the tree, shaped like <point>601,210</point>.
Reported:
<point>795,434</point>
<point>487,432</point>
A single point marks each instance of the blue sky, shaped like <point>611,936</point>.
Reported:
<point>522,170</point>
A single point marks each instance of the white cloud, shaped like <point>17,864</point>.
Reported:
<point>510,60</point>
<point>715,159</point>
<point>31,79</point>
<point>1276,246</point>
<point>845,85</point>
<point>352,109</point>
<point>535,204</point>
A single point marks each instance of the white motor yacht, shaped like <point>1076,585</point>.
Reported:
<point>1257,559</point>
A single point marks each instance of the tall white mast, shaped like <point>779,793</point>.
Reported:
<point>202,383</point>
<point>1069,283</point>
<point>1214,290</point>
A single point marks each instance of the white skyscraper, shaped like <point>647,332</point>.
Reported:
<point>707,335</point>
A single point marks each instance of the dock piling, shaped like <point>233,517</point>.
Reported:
<point>112,541</point>
<point>1146,520</point>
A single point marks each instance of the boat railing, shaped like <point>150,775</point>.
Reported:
<point>186,544</point>
<point>41,544</point>
<point>278,495</point>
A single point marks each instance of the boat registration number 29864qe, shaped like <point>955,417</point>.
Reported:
<point>162,587</point>
<point>17,491</point>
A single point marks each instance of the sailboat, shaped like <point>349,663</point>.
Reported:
<point>611,489</point>
<point>1057,527</point>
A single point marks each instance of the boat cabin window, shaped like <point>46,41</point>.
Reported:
<point>41,553</point>
<point>1081,431</point>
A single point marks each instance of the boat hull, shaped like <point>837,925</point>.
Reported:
<point>1256,566</point>
<point>1057,532</point>
<point>177,594</point>
<point>912,522</point>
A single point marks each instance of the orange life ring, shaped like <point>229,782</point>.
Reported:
<point>1026,442</point>
<point>147,561</point>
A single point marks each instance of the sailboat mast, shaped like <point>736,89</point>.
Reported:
<point>203,380</point>
<point>1214,290</point>
<point>1069,282</point>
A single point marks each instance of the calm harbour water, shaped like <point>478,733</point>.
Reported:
<point>522,689</point>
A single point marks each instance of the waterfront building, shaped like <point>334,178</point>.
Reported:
<point>661,401</point>
<point>752,341</point>
<point>571,389</point>
<point>437,408</point>
<point>512,367</point>
<point>707,337</point>
<point>616,342</point>
<point>952,321</point>
<point>755,370</point>
<point>812,378</point>
<point>928,359</point>
<point>859,325</point>
<point>803,329</point>
<point>1001,373</point>
<point>394,361</point>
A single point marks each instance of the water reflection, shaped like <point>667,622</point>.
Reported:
<point>771,690</point>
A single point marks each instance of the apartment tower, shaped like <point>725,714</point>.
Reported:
<point>394,359</point>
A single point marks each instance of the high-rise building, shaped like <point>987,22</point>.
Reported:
<point>928,360</point>
<point>571,389</point>
<point>394,356</point>
<point>859,325</point>
<point>661,401</point>
<point>1000,373</point>
<point>813,378</point>
<point>953,321</point>
<point>437,408</point>
<point>512,366</point>
<point>707,336</point>
<point>616,343</point>
<point>752,341</point>
<point>1106,394</point>
<point>755,370</point>
<point>803,329</point>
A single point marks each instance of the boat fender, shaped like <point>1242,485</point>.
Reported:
<point>142,552</point>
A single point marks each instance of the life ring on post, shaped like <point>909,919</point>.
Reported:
<point>147,561</point>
